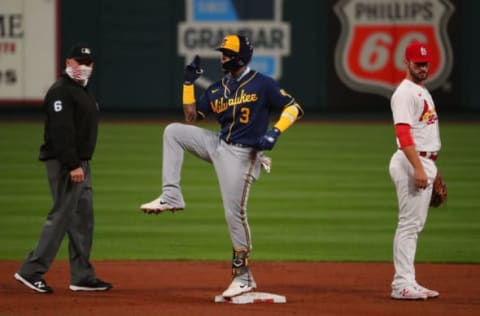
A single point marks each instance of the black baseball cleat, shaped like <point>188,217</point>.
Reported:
<point>95,285</point>
<point>39,286</point>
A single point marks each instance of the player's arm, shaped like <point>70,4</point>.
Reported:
<point>191,73</point>
<point>404,135</point>
<point>291,110</point>
<point>288,116</point>
<point>189,103</point>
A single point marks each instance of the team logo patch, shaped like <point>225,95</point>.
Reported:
<point>207,22</point>
<point>369,56</point>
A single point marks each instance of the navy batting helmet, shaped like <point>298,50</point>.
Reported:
<point>239,48</point>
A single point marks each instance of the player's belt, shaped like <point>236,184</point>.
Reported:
<point>229,142</point>
<point>428,154</point>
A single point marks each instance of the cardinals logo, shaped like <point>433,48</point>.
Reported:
<point>370,51</point>
<point>429,115</point>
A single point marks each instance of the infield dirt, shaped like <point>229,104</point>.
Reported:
<point>189,288</point>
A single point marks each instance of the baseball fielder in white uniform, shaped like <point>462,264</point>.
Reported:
<point>412,168</point>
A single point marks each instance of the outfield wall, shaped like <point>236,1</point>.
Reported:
<point>336,56</point>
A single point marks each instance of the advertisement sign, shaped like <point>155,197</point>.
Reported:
<point>28,49</point>
<point>369,55</point>
<point>208,21</point>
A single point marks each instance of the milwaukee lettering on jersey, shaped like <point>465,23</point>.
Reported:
<point>221,104</point>
<point>369,53</point>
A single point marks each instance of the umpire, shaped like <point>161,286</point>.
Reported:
<point>70,136</point>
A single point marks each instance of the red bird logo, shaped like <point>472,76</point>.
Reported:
<point>428,115</point>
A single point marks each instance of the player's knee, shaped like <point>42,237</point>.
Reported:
<point>172,129</point>
<point>409,229</point>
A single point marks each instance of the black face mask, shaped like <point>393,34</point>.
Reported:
<point>233,64</point>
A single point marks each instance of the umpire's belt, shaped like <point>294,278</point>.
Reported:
<point>428,154</point>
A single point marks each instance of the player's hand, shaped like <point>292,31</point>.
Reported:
<point>269,139</point>
<point>192,71</point>
<point>421,178</point>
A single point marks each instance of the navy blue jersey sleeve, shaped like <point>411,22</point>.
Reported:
<point>276,96</point>
<point>60,112</point>
<point>203,105</point>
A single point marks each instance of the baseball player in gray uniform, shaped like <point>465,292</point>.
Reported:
<point>412,168</point>
<point>241,103</point>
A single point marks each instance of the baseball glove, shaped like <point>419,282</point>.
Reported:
<point>439,191</point>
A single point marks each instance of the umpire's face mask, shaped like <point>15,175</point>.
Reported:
<point>79,70</point>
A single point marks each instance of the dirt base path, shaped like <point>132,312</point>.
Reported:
<point>188,288</point>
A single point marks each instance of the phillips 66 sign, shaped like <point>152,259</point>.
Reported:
<point>369,55</point>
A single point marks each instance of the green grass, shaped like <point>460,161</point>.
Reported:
<point>329,197</point>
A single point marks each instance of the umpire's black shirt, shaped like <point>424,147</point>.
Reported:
<point>71,124</point>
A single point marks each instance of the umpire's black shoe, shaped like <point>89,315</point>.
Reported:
<point>39,286</point>
<point>95,285</point>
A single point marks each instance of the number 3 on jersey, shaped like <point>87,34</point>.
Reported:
<point>245,115</point>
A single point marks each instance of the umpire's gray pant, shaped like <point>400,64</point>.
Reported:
<point>72,214</point>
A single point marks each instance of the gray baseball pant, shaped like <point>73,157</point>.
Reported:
<point>236,168</point>
<point>72,214</point>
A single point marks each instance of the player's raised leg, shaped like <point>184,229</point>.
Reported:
<point>178,138</point>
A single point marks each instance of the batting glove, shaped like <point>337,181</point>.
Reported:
<point>269,139</point>
<point>192,71</point>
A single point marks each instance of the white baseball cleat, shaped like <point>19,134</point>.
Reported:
<point>237,288</point>
<point>157,206</point>
<point>428,292</point>
<point>409,293</point>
